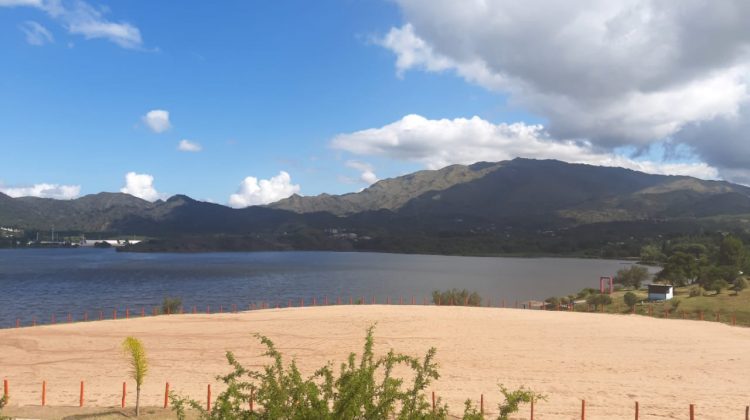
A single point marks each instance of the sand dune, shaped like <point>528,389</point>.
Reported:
<point>609,360</point>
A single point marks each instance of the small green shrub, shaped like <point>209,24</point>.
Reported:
<point>456,297</point>
<point>739,284</point>
<point>514,398</point>
<point>630,299</point>
<point>471,412</point>
<point>3,403</point>
<point>718,285</point>
<point>365,389</point>
<point>696,291</point>
<point>599,300</point>
<point>171,305</point>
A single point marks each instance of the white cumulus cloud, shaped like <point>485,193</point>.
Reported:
<point>254,192</point>
<point>81,18</point>
<point>157,120</point>
<point>36,34</point>
<point>141,186</point>
<point>57,191</point>
<point>189,146</point>
<point>438,143</point>
<point>612,73</point>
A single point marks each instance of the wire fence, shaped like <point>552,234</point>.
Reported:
<point>533,410</point>
<point>143,311</point>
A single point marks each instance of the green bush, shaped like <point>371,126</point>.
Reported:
<point>514,398</point>
<point>599,300</point>
<point>632,276</point>
<point>630,299</point>
<point>696,291</point>
<point>718,285</point>
<point>171,305</point>
<point>552,302</point>
<point>3,403</point>
<point>456,297</point>
<point>739,284</point>
<point>365,389</point>
<point>471,412</point>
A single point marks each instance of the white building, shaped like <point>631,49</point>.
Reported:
<point>660,292</point>
<point>113,242</point>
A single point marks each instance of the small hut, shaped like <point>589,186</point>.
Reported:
<point>660,292</point>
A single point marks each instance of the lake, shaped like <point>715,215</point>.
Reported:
<point>35,284</point>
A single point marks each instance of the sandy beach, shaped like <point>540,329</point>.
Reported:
<point>611,361</point>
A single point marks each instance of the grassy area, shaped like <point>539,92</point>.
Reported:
<point>726,305</point>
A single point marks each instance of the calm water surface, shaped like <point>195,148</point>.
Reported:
<point>38,283</point>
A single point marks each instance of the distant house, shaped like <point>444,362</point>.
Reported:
<point>660,292</point>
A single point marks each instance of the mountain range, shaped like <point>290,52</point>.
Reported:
<point>514,201</point>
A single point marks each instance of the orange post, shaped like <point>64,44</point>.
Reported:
<point>532,408</point>
<point>701,315</point>
<point>637,409</point>
<point>143,312</point>
<point>433,401</point>
<point>208,399</point>
<point>86,316</point>
<point>114,313</point>
<point>692,412</point>
<point>747,412</point>
<point>166,395</point>
<point>127,313</point>
<point>481,404</point>
<point>124,392</point>
<point>583,409</point>
<point>18,323</point>
<point>80,399</point>
<point>6,389</point>
<point>101,315</point>
<point>44,393</point>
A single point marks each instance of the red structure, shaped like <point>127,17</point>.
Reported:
<point>606,280</point>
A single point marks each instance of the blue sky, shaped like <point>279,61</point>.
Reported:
<point>315,89</point>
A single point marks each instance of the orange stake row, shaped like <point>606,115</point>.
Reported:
<point>6,394</point>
